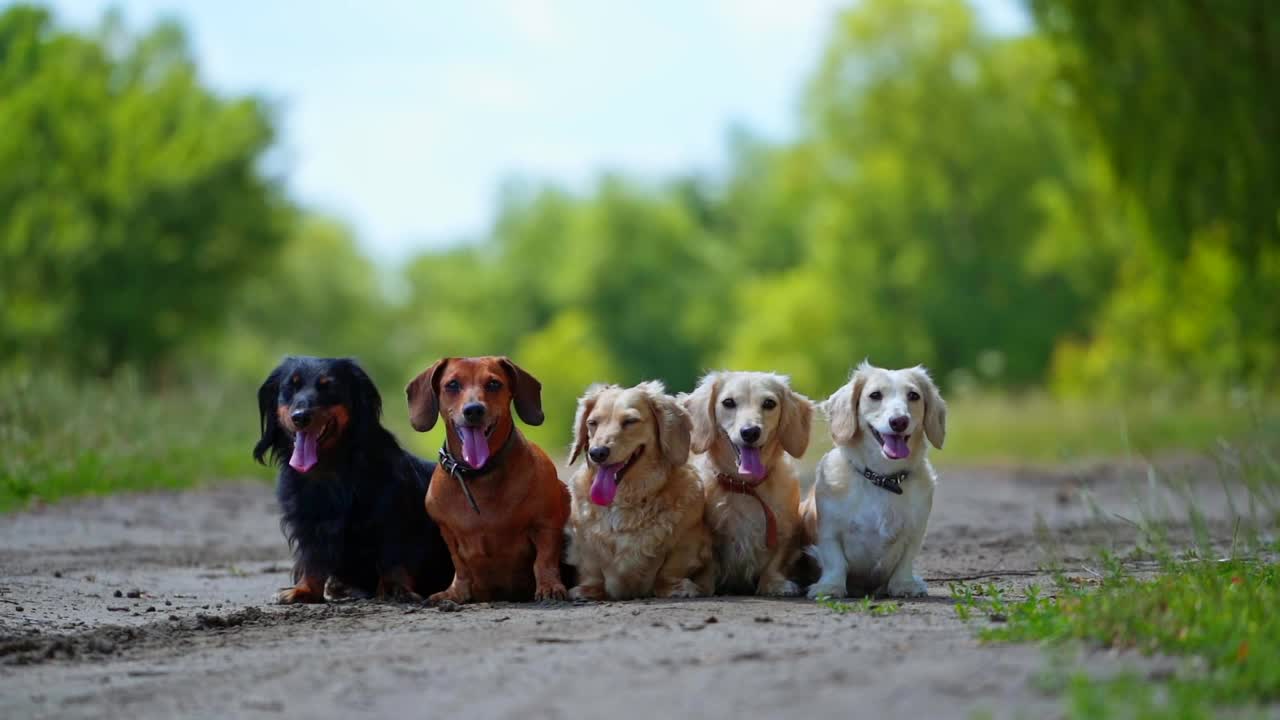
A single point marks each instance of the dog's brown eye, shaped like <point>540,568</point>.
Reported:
<point>453,386</point>
<point>323,382</point>
<point>913,396</point>
<point>769,404</point>
<point>296,380</point>
<point>629,421</point>
<point>493,386</point>
<point>875,395</point>
<point>729,403</point>
<point>592,424</point>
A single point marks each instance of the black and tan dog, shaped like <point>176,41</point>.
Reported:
<point>352,498</point>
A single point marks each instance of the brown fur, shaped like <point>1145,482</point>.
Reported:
<point>511,549</point>
<point>652,539</point>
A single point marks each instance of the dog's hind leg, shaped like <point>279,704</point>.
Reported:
<point>773,581</point>
<point>397,586</point>
<point>335,590</point>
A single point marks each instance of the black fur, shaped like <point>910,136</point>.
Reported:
<point>359,514</point>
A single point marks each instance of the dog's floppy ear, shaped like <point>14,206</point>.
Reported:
<point>526,393</point>
<point>673,425</point>
<point>793,426</point>
<point>701,406</point>
<point>842,408</point>
<point>366,401</point>
<point>935,408</point>
<point>586,404</point>
<point>424,396</point>
<point>270,431</point>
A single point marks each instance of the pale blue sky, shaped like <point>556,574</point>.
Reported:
<point>403,116</point>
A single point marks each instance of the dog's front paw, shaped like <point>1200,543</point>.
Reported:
<point>587,592</point>
<point>448,596</point>
<point>778,588</point>
<point>683,588</point>
<point>298,595</point>
<point>336,591</point>
<point>550,591</point>
<point>911,587</point>
<point>818,590</point>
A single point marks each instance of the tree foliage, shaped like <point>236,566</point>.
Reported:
<point>1091,205</point>
<point>131,196</point>
<point>1182,99</point>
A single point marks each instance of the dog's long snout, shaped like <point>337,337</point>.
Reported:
<point>899,423</point>
<point>473,412</point>
<point>301,418</point>
<point>598,453</point>
<point>750,434</point>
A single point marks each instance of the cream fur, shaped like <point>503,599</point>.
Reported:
<point>744,563</point>
<point>652,539</point>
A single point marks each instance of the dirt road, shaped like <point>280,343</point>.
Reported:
<point>157,606</point>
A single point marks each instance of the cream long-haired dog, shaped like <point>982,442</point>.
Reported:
<point>637,526</point>
<point>869,507</point>
<point>744,426</point>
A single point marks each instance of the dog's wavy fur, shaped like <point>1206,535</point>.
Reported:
<point>744,563</point>
<point>864,537</point>
<point>354,522</point>
<point>651,540</point>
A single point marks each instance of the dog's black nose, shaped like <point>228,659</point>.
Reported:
<point>473,412</point>
<point>750,433</point>
<point>599,453</point>
<point>300,418</point>
<point>899,423</point>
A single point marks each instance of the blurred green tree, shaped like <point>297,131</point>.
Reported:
<point>929,147</point>
<point>1183,99</point>
<point>132,198</point>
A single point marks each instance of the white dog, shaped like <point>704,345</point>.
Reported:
<point>869,507</point>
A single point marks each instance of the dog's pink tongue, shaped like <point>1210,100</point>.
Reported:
<point>749,462</point>
<point>475,448</point>
<point>605,486</point>
<point>304,452</point>
<point>895,446</point>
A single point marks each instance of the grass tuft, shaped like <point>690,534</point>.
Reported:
<point>865,606</point>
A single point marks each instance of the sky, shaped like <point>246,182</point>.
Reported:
<point>403,117</point>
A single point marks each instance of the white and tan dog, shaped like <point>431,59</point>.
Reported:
<point>869,507</point>
<point>637,526</point>
<point>744,426</point>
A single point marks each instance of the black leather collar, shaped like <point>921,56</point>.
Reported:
<point>461,471</point>
<point>892,483</point>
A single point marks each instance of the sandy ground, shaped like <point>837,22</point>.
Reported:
<point>158,606</point>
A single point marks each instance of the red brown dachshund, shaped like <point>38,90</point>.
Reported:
<point>495,495</point>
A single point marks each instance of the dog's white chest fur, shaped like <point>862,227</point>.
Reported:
<point>872,529</point>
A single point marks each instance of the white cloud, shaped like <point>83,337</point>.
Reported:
<point>536,20</point>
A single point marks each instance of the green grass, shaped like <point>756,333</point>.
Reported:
<point>1210,601</point>
<point>62,439</point>
<point>995,428</point>
<point>865,606</point>
<point>1221,612</point>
